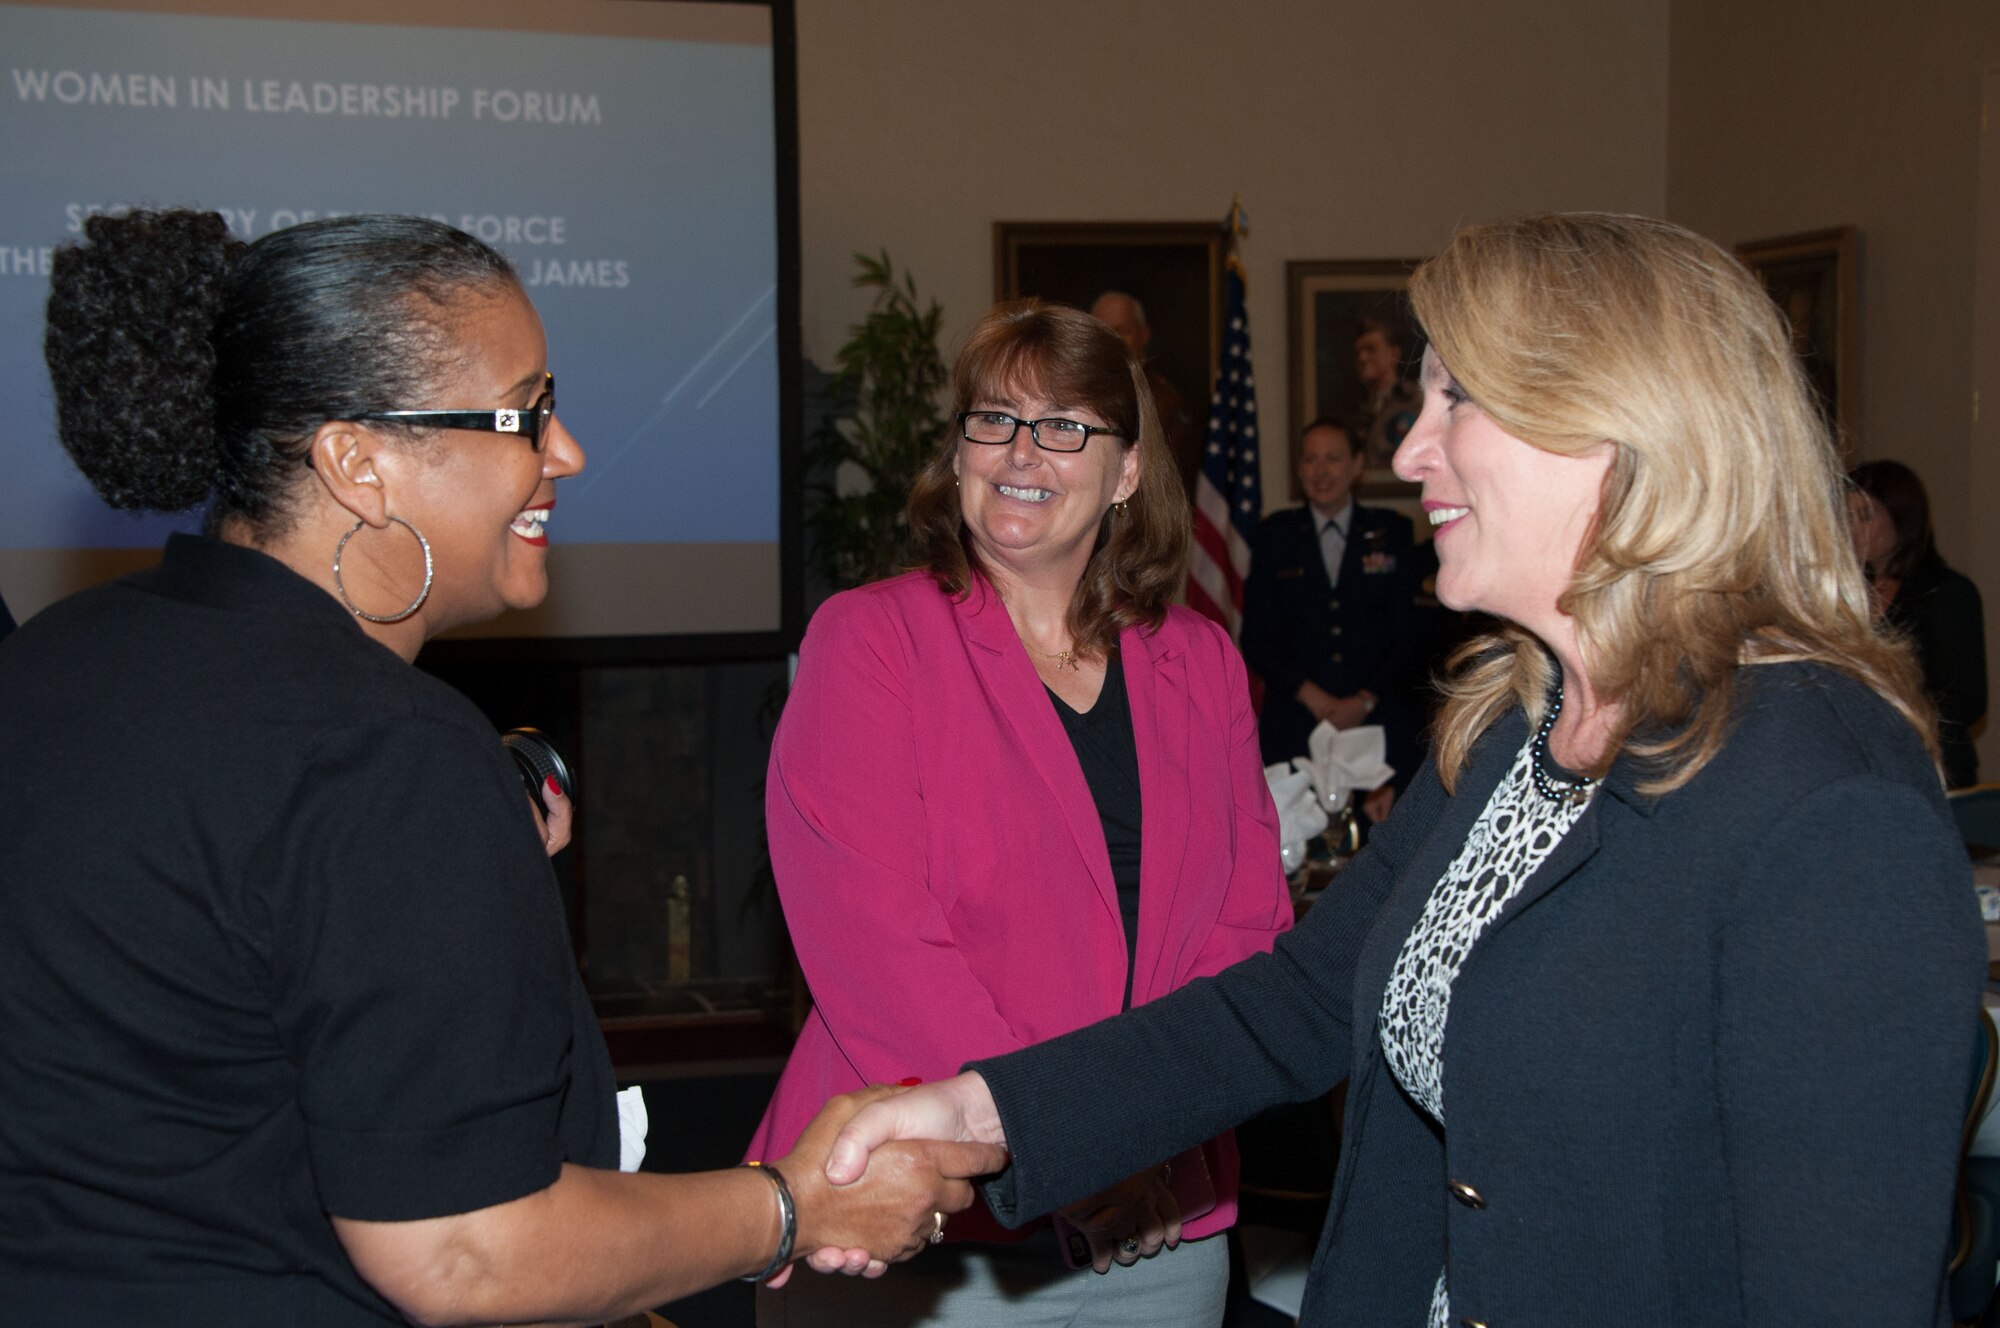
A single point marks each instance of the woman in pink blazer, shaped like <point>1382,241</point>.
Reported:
<point>1013,793</point>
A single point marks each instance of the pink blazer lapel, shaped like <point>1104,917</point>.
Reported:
<point>1009,677</point>
<point>1157,682</point>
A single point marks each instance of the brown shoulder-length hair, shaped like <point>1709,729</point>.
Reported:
<point>1721,535</point>
<point>1066,356</point>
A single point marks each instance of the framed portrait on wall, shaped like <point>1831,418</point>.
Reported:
<point>1353,348</point>
<point>1815,278</point>
<point>1172,269</point>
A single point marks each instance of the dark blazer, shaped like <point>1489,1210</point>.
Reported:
<point>1938,609</point>
<point>1708,1067</point>
<point>1362,634</point>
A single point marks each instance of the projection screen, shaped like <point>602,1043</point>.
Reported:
<point>634,158</point>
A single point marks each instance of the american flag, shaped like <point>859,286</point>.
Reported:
<point>1228,496</point>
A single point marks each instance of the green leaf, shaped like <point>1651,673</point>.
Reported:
<point>890,381</point>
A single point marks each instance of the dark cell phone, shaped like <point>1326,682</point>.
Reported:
<point>538,760</point>
<point>1188,1182</point>
<point>1074,1244</point>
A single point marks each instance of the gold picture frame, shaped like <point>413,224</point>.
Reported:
<point>1815,278</point>
<point>1325,303</point>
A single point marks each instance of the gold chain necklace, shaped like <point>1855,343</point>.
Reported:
<point>1064,659</point>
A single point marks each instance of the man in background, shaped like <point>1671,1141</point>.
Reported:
<point>1127,317</point>
<point>1329,613</point>
<point>1389,401</point>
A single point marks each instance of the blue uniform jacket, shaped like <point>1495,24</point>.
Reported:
<point>1362,634</point>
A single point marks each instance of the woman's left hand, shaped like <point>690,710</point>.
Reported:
<point>554,822</point>
<point>1130,1221</point>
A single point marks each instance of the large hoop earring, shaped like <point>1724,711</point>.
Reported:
<point>415,604</point>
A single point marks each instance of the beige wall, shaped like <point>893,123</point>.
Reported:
<point>1350,129</point>
<point>1794,115</point>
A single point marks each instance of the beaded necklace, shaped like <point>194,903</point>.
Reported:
<point>1546,784</point>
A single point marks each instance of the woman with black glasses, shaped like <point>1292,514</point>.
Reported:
<point>1014,792</point>
<point>289,1029</point>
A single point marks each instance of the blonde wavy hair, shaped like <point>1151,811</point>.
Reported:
<point>1721,538</point>
<point>1050,350</point>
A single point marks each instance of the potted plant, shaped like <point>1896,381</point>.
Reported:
<point>885,422</point>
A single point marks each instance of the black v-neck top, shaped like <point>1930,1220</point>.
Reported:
<point>1102,737</point>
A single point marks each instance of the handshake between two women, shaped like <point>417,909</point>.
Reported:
<point>863,1198</point>
<point>956,1122</point>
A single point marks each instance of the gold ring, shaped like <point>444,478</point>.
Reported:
<point>937,1236</point>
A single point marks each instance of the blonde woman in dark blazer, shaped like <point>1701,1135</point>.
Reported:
<point>1656,992</point>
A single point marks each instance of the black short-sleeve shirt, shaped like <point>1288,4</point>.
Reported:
<point>277,941</point>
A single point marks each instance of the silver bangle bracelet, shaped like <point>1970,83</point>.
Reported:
<point>788,1223</point>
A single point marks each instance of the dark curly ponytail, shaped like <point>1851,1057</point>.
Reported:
<point>130,317</point>
<point>189,367</point>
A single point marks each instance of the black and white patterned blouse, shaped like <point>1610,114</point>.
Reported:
<point>1515,833</point>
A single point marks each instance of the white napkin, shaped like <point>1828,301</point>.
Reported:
<point>631,1128</point>
<point>1300,816</point>
<point>1344,761</point>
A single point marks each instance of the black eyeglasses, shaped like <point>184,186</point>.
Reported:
<point>1051,435</point>
<point>532,423</point>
